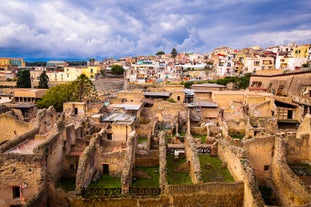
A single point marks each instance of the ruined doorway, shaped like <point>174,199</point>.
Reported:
<point>76,111</point>
<point>105,169</point>
<point>289,114</point>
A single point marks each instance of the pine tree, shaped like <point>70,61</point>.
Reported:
<point>44,79</point>
<point>23,79</point>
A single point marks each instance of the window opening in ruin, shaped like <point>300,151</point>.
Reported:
<point>105,169</point>
<point>76,111</point>
<point>16,192</point>
<point>178,98</point>
<point>290,114</point>
<point>109,136</point>
<point>266,167</point>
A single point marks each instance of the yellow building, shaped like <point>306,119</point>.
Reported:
<point>301,51</point>
<point>11,62</point>
<point>91,71</point>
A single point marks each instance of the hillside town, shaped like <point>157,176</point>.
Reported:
<point>165,131</point>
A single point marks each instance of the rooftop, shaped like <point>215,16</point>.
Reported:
<point>157,94</point>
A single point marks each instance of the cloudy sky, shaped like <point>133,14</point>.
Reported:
<point>80,29</point>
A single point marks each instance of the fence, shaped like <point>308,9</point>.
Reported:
<point>117,192</point>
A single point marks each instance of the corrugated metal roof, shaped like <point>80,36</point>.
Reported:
<point>164,94</point>
<point>204,104</point>
<point>119,117</point>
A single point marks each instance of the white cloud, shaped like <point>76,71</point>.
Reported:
<point>114,28</point>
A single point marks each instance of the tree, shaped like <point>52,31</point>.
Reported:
<point>84,89</point>
<point>57,96</point>
<point>23,79</point>
<point>117,70</point>
<point>174,53</point>
<point>44,79</point>
<point>160,53</point>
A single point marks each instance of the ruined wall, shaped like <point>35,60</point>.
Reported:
<point>224,99</point>
<point>299,144</point>
<point>162,160</point>
<point>24,171</point>
<point>46,119</point>
<point>259,152</point>
<point>207,194</point>
<point>86,166</point>
<point>148,158</point>
<point>115,160</point>
<point>292,190</point>
<point>192,156</point>
<point>53,147</point>
<point>28,135</point>
<point>126,177</point>
<point>143,130</point>
<point>120,132</point>
<point>166,112</point>
<point>241,170</point>
<point>11,128</point>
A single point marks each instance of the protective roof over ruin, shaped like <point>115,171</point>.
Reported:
<point>120,117</point>
<point>133,106</point>
<point>25,147</point>
<point>204,104</point>
<point>158,94</point>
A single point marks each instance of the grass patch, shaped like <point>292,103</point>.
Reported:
<point>212,169</point>
<point>175,176</point>
<point>146,177</point>
<point>237,136</point>
<point>106,181</point>
<point>68,184</point>
<point>202,137</point>
<point>142,140</point>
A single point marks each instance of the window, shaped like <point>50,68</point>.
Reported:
<point>266,167</point>
<point>178,98</point>
<point>109,136</point>
<point>16,192</point>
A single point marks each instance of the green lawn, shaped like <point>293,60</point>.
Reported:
<point>147,177</point>
<point>68,184</point>
<point>203,137</point>
<point>212,170</point>
<point>106,181</point>
<point>174,173</point>
<point>142,140</point>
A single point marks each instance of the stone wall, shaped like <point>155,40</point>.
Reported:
<point>147,158</point>
<point>259,152</point>
<point>241,170</point>
<point>86,166</point>
<point>11,128</point>
<point>53,148</point>
<point>193,158</point>
<point>28,135</point>
<point>23,171</point>
<point>299,144</point>
<point>126,177</point>
<point>291,189</point>
<point>162,160</point>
